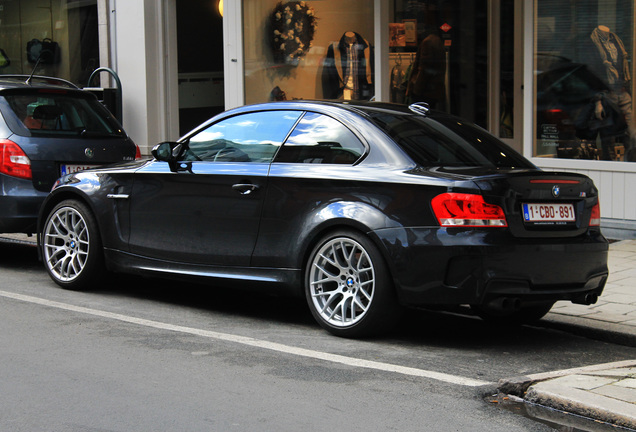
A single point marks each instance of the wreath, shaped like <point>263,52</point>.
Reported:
<point>293,25</point>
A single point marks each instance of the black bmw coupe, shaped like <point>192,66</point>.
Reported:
<point>362,208</point>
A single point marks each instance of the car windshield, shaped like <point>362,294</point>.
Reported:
<point>447,141</point>
<point>57,114</point>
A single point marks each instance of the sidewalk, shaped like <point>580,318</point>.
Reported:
<point>604,392</point>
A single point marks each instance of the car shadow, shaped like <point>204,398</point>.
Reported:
<point>417,328</point>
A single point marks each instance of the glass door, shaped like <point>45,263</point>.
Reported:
<point>438,54</point>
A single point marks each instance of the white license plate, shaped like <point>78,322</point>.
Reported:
<point>73,168</point>
<point>548,213</point>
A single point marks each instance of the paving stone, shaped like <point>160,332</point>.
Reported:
<point>617,392</point>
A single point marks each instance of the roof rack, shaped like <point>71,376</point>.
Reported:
<point>41,80</point>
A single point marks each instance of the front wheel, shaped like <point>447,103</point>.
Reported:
<point>348,286</point>
<point>71,247</point>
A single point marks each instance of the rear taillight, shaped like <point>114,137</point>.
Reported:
<point>595,218</point>
<point>467,210</point>
<point>137,152</point>
<point>13,161</point>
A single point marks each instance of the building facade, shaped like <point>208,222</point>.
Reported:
<point>552,78</point>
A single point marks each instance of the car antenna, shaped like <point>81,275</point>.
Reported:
<point>28,81</point>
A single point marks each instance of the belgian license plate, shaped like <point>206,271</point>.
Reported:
<point>548,213</point>
<point>73,168</point>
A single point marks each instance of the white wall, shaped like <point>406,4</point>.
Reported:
<point>145,59</point>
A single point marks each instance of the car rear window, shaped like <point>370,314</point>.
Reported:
<point>62,114</point>
<point>448,141</point>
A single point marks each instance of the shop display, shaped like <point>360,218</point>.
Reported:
<point>427,81</point>
<point>293,25</point>
<point>45,50</point>
<point>348,71</point>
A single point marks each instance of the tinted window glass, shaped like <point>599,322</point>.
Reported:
<point>252,137</point>
<point>447,141</point>
<point>321,139</point>
<point>63,114</point>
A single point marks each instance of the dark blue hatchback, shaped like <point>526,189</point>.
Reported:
<point>49,128</point>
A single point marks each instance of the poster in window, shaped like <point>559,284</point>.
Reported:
<point>396,34</point>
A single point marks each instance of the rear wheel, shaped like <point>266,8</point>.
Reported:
<point>71,246</point>
<point>348,286</point>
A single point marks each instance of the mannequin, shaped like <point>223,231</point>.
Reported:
<point>612,67</point>
<point>347,72</point>
<point>427,82</point>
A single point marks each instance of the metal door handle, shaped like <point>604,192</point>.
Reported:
<point>245,188</point>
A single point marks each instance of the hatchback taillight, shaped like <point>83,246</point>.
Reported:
<point>467,210</point>
<point>595,218</point>
<point>137,152</point>
<point>13,161</point>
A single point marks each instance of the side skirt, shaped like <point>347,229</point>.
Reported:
<point>275,280</point>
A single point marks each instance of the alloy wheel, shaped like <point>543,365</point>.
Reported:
<point>66,243</point>
<point>342,282</point>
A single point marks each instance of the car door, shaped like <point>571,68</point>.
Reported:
<point>208,210</point>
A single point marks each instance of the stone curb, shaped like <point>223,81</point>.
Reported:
<point>555,390</point>
<point>590,328</point>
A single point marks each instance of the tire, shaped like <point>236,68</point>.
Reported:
<point>525,315</point>
<point>348,286</point>
<point>71,246</point>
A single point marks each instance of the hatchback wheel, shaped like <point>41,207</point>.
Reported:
<point>71,246</point>
<point>348,286</point>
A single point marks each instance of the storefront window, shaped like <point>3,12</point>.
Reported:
<point>438,55</point>
<point>583,70</point>
<point>62,35</point>
<point>308,50</point>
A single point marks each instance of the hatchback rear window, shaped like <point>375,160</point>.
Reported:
<point>62,114</point>
<point>447,141</point>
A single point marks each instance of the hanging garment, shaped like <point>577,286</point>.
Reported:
<point>348,66</point>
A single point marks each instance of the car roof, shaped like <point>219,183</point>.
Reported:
<point>358,107</point>
<point>35,81</point>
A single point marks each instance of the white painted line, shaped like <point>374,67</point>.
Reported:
<point>273,346</point>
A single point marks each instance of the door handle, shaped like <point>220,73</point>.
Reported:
<point>245,188</point>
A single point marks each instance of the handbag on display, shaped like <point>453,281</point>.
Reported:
<point>588,124</point>
<point>45,50</point>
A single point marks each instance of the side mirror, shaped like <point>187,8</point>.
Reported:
<point>170,152</point>
<point>167,151</point>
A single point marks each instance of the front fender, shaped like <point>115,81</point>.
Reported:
<point>91,188</point>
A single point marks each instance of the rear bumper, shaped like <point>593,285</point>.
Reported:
<point>470,266</point>
<point>19,205</point>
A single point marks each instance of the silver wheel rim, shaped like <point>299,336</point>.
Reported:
<point>66,242</point>
<point>342,282</point>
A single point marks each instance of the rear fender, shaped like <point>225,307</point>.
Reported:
<point>357,216</point>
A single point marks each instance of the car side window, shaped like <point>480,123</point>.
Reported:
<point>251,137</point>
<point>322,140</point>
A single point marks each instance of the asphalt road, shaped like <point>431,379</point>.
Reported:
<point>152,355</point>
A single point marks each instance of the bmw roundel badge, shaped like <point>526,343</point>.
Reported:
<point>556,191</point>
<point>89,152</point>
